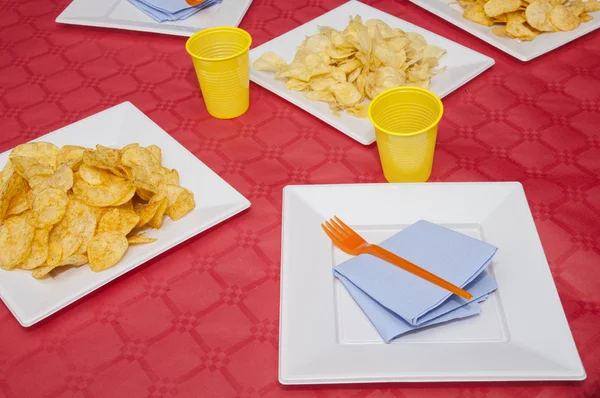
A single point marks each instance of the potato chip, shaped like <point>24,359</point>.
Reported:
<point>269,62</point>
<point>16,236</point>
<point>296,85</point>
<point>144,165</point>
<point>520,31</point>
<point>31,170</point>
<point>537,15</point>
<point>132,145</point>
<point>171,192</point>
<point>383,79</point>
<point>55,249</point>
<point>18,204</point>
<point>156,151</point>
<point>118,220</point>
<point>72,234</point>
<point>63,247</point>
<point>592,5</point>
<point>62,179</point>
<point>465,3</point>
<point>146,212</point>
<point>126,206</point>
<point>74,260</point>
<point>500,31</point>
<point>139,239</point>
<point>41,272</point>
<point>103,158</point>
<point>346,94</point>
<point>99,212</point>
<point>39,250</point>
<point>44,153</point>
<point>169,176</point>
<point>383,29</point>
<point>144,190</point>
<point>103,195</point>
<point>126,198</point>
<point>183,204</point>
<point>86,222</point>
<point>34,161</point>
<point>71,155</point>
<point>106,250</point>
<point>358,110</point>
<point>494,8</point>
<point>431,51</point>
<point>585,17</point>
<point>97,176</point>
<point>562,19</point>
<point>49,207</point>
<point>157,220</point>
<point>516,17</point>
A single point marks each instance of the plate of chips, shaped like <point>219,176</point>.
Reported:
<point>333,65</point>
<point>87,203</point>
<point>525,29</point>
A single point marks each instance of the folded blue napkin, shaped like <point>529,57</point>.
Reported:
<point>397,301</point>
<point>171,10</point>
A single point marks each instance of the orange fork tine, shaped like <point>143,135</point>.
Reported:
<point>336,240</point>
<point>340,231</point>
<point>340,222</point>
<point>350,233</point>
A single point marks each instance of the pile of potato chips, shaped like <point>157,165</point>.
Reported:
<point>73,205</point>
<point>344,68</point>
<point>526,19</point>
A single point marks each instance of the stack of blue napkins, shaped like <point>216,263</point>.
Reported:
<point>171,10</point>
<point>397,302</point>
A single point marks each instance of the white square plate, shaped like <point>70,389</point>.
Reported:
<point>524,51</point>
<point>462,64</point>
<point>521,333</point>
<point>31,300</point>
<point>121,14</point>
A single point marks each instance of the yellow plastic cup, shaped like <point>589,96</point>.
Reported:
<point>406,122</point>
<point>220,57</point>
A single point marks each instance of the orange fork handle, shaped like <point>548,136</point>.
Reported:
<point>194,2</point>
<point>390,257</point>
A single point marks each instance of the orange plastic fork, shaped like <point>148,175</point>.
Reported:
<point>194,2</point>
<point>352,243</point>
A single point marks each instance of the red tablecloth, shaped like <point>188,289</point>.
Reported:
<point>203,318</point>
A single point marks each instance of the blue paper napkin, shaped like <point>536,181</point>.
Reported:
<point>171,10</point>
<point>397,301</point>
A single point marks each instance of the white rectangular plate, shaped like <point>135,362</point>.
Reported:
<point>521,333</point>
<point>31,300</point>
<point>524,51</point>
<point>121,14</point>
<point>462,65</point>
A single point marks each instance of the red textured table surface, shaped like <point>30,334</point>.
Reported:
<point>202,320</point>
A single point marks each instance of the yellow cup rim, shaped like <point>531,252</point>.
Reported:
<point>406,89</point>
<point>217,29</point>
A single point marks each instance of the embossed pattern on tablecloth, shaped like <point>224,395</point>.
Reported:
<point>203,318</point>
